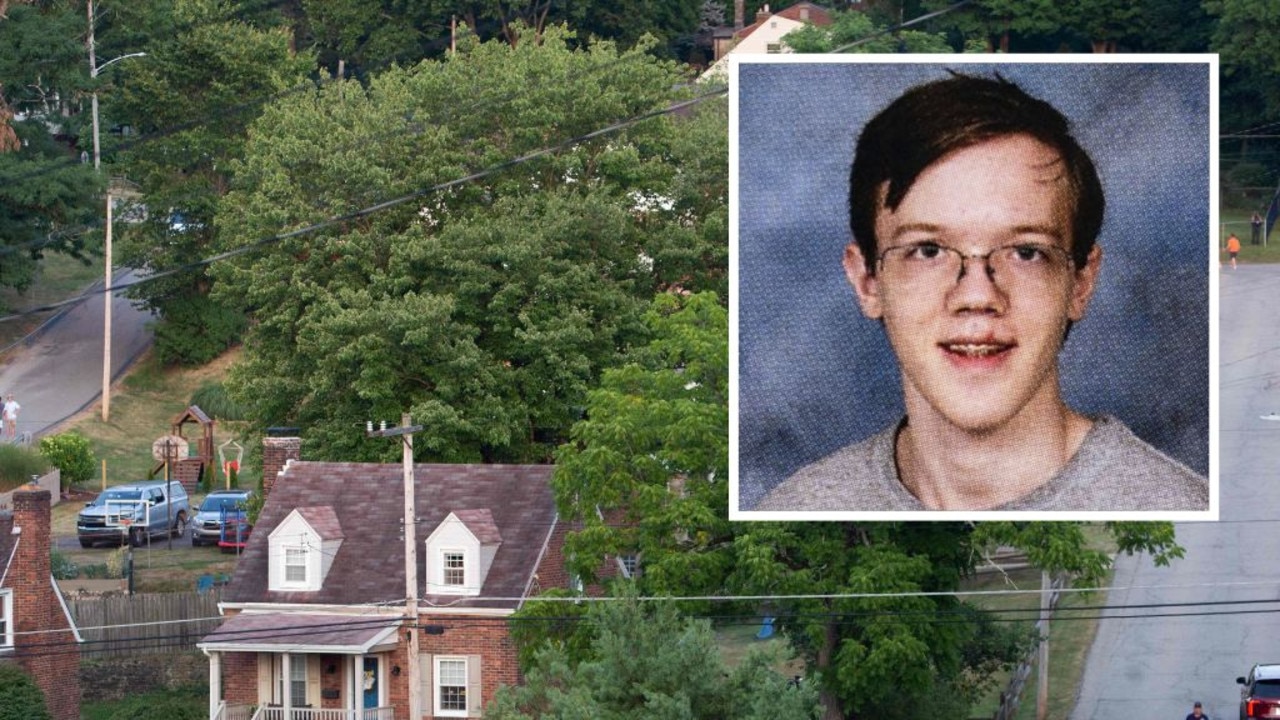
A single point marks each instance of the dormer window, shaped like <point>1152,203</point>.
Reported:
<point>460,551</point>
<point>302,548</point>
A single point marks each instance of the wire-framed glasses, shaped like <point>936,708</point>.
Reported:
<point>1017,265</point>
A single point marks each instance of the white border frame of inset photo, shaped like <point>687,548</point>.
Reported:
<point>805,146</point>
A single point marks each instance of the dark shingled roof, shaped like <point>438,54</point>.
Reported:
<point>368,501</point>
<point>290,630</point>
<point>323,520</point>
<point>480,523</point>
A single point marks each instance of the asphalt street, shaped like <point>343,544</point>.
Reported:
<point>58,371</point>
<point>1156,667</point>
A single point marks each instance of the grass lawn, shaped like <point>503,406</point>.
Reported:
<point>143,406</point>
<point>1237,221</point>
<point>737,641</point>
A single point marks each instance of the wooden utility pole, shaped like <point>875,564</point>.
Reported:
<point>1042,686</point>
<point>405,432</point>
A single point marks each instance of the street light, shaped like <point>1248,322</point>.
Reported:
<point>94,69</point>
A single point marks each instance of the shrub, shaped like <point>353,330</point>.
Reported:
<point>62,567</point>
<point>72,454</point>
<point>18,464</point>
<point>213,399</point>
<point>20,699</point>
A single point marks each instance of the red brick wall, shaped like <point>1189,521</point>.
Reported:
<point>484,636</point>
<point>52,659</point>
<point>276,453</point>
<point>240,678</point>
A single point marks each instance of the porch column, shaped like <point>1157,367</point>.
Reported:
<point>215,682</point>
<point>287,701</point>
<point>355,683</point>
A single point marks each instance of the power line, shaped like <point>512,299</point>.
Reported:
<point>943,616</point>
<point>378,207</point>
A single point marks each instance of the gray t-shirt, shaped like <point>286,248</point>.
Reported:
<point>1113,470</point>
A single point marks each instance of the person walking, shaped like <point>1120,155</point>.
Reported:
<point>1255,223</point>
<point>11,408</point>
<point>1233,249</point>
<point>1197,712</point>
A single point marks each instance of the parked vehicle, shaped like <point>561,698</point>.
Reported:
<point>1260,694</point>
<point>134,513</point>
<point>221,517</point>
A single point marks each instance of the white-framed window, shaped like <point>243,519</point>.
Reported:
<point>6,618</point>
<point>451,686</point>
<point>295,565</point>
<point>455,568</point>
<point>298,682</point>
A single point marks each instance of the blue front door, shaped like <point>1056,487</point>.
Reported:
<point>370,682</point>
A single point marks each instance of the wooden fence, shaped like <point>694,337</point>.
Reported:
<point>117,625</point>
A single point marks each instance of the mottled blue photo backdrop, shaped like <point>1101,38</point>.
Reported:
<point>814,374</point>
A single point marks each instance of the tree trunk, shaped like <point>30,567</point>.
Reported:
<point>831,707</point>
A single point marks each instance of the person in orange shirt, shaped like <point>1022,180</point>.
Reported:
<point>1233,248</point>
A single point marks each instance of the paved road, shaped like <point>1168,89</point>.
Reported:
<point>1155,668</point>
<point>58,372</point>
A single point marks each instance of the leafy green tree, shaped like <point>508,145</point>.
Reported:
<point>998,21</point>
<point>192,99</point>
<point>645,473</point>
<point>644,660</point>
<point>20,699</point>
<point>853,26</point>
<point>72,454</point>
<point>46,195</point>
<point>488,309</point>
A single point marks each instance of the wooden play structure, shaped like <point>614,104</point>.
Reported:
<point>189,468</point>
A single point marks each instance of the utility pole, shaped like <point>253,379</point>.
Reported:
<point>405,433</point>
<point>94,68</point>
<point>1046,608</point>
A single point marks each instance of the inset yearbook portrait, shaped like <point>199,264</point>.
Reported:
<point>966,288</point>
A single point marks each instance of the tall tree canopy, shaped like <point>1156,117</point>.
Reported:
<point>191,100</point>
<point>644,660</point>
<point>489,308</point>
<point>645,472</point>
<point>46,193</point>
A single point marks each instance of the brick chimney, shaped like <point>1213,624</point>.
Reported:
<point>763,13</point>
<point>51,658</point>
<point>276,454</point>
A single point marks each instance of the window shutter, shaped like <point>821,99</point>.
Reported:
<point>313,680</point>
<point>474,704</point>
<point>264,678</point>
<point>428,693</point>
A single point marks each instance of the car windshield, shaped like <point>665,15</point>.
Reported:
<point>118,495</point>
<point>223,502</point>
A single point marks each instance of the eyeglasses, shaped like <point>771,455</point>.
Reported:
<point>1015,266</point>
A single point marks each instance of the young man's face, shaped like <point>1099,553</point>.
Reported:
<point>979,346</point>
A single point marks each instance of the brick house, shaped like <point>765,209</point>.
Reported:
<point>317,625</point>
<point>36,628</point>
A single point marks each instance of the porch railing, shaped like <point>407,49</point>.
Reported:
<point>234,712</point>
<point>279,713</point>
